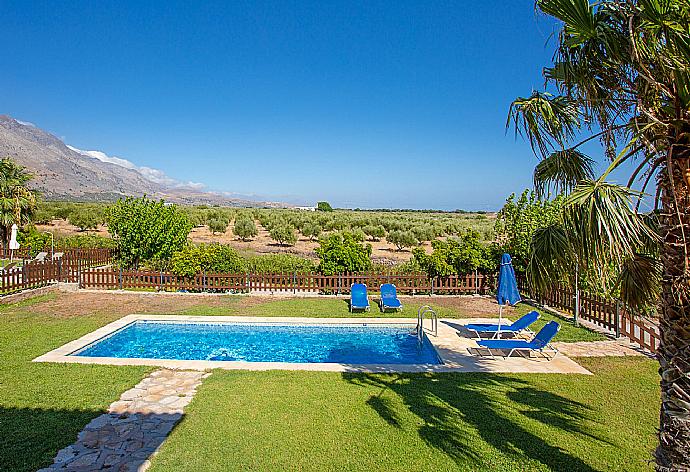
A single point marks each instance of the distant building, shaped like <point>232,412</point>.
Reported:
<point>306,208</point>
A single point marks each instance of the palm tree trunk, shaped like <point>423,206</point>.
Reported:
<point>673,451</point>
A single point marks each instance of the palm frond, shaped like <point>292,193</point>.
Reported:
<point>551,257</point>
<point>548,121</point>
<point>639,281</point>
<point>603,223</point>
<point>562,170</point>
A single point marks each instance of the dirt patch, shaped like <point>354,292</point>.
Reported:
<point>67,305</point>
<point>382,252</point>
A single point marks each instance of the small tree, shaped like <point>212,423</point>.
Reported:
<point>283,234</point>
<point>311,230</point>
<point>245,228</point>
<point>343,253</point>
<point>218,225</point>
<point>84,219</point>
<point>402,239</point>
<point>324,206</point>
<point>375,232</point>
<point>147,230</point>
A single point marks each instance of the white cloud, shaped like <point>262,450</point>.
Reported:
<point>154,175</point>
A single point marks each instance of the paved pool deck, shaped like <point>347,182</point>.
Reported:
<point>454,344</point>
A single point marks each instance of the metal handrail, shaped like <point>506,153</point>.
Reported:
<point>420,320</point>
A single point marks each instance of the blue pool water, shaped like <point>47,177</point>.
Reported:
<point>353,344</point>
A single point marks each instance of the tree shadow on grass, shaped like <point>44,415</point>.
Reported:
<point>455,408</point>
<point>30,437</point>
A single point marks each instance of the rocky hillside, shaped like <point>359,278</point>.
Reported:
<point>63,172</point>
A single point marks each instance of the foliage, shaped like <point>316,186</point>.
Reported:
<point>283,234</point>
<point>279,264</point>
<point>375,232</point>
<point>518,220</point>
<point>460,255</point>
<point>245,228</point>
<point>311,230</point>
<point>324,206</point>
<point>343,252</point>
<point>195,259</point>
<point>17,201</point>
<point>402,239</point>
<point>34,241</point>
<point>86,241</point>
<point>218,225</point>
<point>85,219</point>
<point>621,73</point>
<point>147,230</point>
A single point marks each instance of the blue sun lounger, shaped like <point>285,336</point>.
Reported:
<point>389,298</point>
<point>520,325</point>
<point>358,297</point>
<point>540,343</point>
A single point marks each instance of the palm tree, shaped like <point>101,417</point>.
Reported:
<point>621,74</point>
<point>17,202</point>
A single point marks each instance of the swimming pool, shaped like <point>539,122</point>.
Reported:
<point>252,342</point>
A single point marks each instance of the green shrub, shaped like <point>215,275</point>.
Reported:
<point>85,219</point>
<point>375,232</point>
<point>218,225</point>
<point>457,256</point>
<point>402,239</point>
<point>311,230</point>
<point>279,264</point>
<point>146,230</point>
<point>86,241</point>
<point>283,234</point>
<point>245,228</point>
<point>343,253</point>
<point>193,259</point>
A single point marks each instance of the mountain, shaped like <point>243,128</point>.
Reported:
<point>67,173</point>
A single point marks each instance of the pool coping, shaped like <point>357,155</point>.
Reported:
<point>451,345</point>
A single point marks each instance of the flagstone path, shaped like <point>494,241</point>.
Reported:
<point>125,438</point>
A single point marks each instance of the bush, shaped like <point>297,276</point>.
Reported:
<point>402,239</point>
<point>218,225</point>
<point>375,232</point>
<point>284,234</point>
<point>457,256</point>
<point>311,230</point>
<point>279,264</point>
<point>193,259</point>
<point>147,230</point>
<point>245,228</point>
<point>33,241</point>
<point>343,253</point>
<point>85,219</point>
<point>86,241</point>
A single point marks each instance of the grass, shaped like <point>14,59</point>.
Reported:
<point>44,406</point>
<point>328,421</point>
<point>337,308</point>
<point>310,421</point>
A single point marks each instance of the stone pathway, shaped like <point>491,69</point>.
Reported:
<point>617,348</point>
<point>125,438</point>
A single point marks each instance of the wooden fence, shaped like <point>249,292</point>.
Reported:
<point>32,274</point>
<point>607,313</point>
<point>111,278</point>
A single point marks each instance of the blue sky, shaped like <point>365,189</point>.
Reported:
<point>365,104</point>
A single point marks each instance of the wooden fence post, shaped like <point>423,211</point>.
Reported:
<point>120,278</point>
<point>294,282</point>
<point>616,319</point>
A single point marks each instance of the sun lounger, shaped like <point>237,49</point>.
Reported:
<point>40,257</point>
<point>540,343</point>
<point>521,325</point>
<point>358,297</point>
<point>389,298</point>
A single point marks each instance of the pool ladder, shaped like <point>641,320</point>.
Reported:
<point>420,321</point>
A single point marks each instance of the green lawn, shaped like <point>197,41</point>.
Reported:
<point>305,421</point>
<point>328,421</point>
